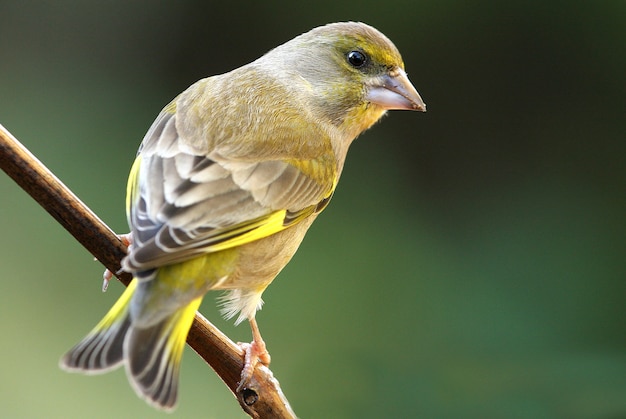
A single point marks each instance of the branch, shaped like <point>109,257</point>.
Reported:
<point>262,399</point>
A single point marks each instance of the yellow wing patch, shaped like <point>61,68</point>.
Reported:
<point>132,187</point>
<point>250,231</point>
<point>262,227</point>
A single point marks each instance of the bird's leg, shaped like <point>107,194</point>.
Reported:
<point>127,240</point>
<point>255,352</point>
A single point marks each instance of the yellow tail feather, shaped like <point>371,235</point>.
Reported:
<point>151,354</point>
<point>102,349</point>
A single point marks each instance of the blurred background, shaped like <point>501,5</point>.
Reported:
<point>471,264</point>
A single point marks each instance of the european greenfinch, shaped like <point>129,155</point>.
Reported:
<point>226,183</point>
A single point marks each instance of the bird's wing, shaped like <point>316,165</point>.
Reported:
<point>181,204</point>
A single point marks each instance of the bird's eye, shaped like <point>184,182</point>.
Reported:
<point>356,59</point>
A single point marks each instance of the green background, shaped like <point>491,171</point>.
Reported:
<point>471,264</point>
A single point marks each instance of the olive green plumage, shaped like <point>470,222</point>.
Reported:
<point>225,185</point>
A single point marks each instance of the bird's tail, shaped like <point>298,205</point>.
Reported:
<point>103,348</point>
<point>150,354</point>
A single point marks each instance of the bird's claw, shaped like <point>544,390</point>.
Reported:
<point>107,275</point>
<point>106,278</point>
<point>255,352</point>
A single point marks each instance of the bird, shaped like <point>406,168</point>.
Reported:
<point>224,186</point>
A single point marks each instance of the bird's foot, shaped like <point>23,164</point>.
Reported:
<point>255,352</point>
<point>106,277</point>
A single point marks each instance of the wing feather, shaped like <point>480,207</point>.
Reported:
<point>182,204</point>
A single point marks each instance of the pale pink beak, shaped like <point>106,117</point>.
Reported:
<point>394,91</point>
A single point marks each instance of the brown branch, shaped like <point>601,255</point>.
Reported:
<point>262,398</point>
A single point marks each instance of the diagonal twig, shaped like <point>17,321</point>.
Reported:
<point>262,399</point>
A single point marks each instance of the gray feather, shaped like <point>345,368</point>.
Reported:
<point>189,201</point>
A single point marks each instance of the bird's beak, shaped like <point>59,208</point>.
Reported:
<point>395,91</point>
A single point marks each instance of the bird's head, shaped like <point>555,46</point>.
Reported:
<point>349,73</point>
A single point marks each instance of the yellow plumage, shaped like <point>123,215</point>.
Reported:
<point>226,183</point>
